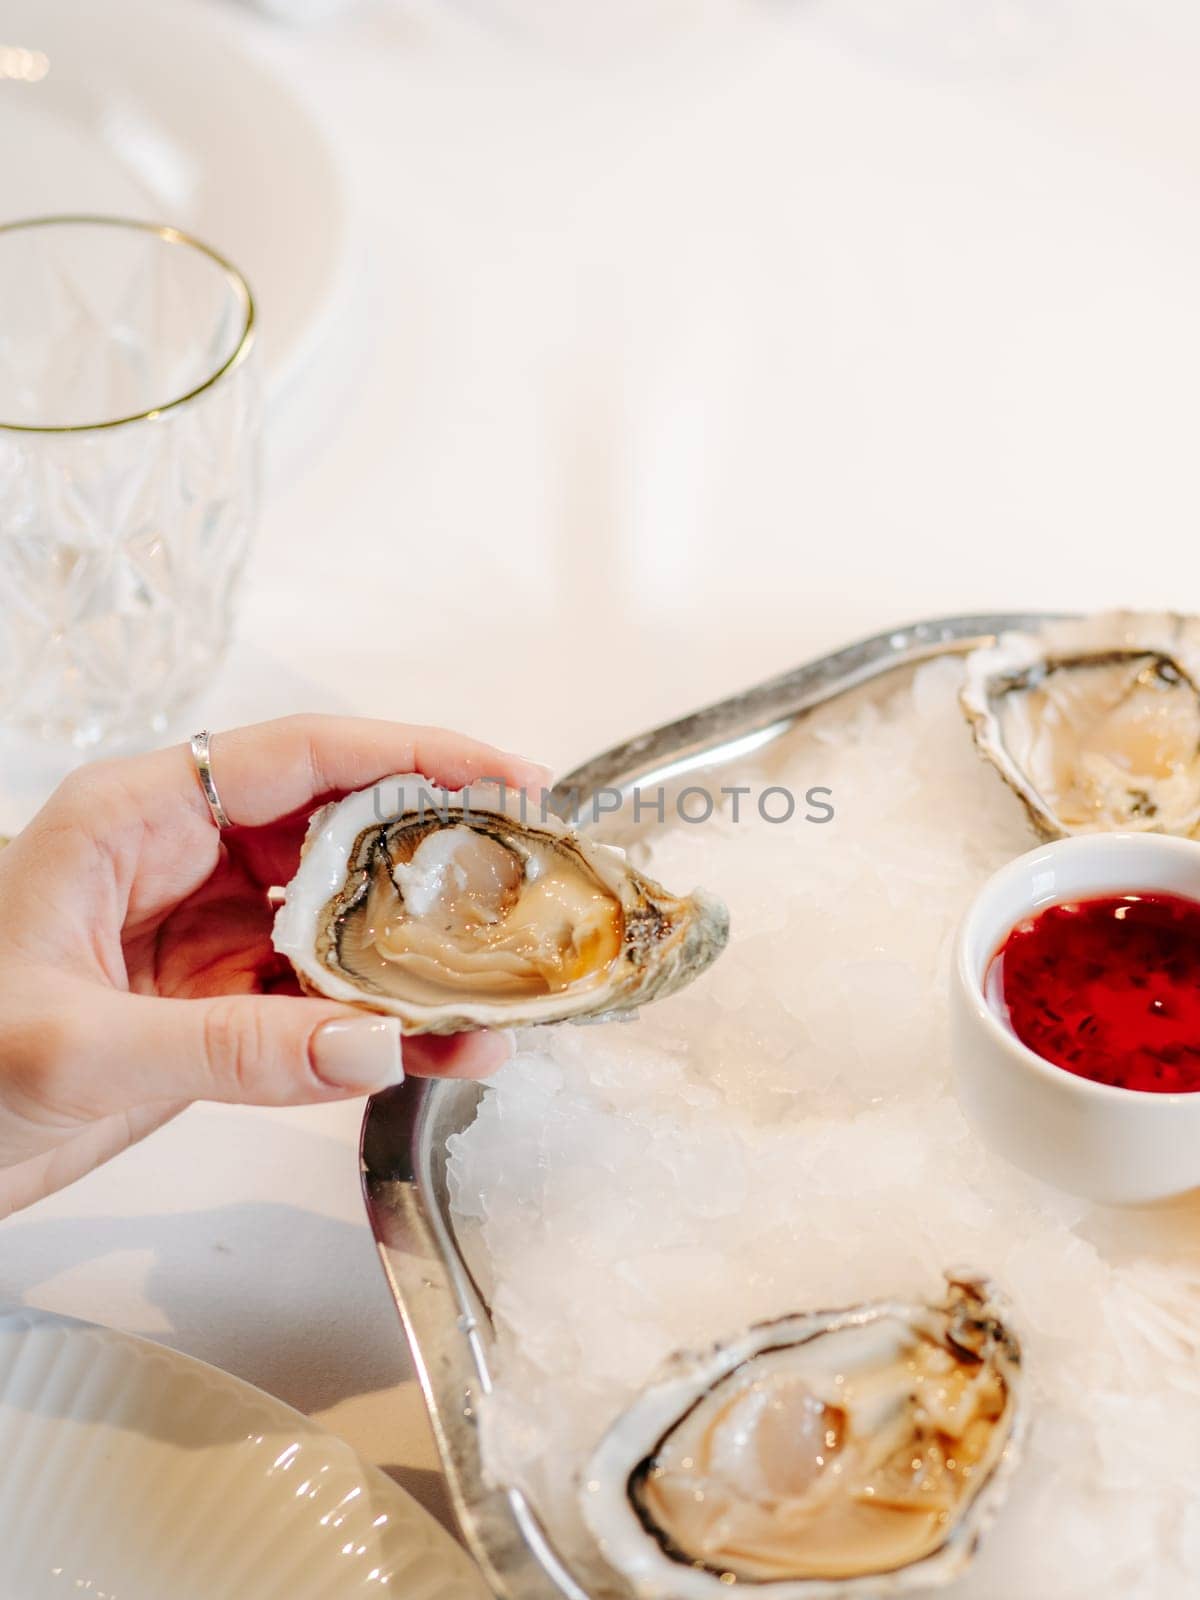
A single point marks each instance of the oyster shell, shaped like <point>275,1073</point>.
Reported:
<point>1095,722</point>
<point>455,911</point>
<point>834,1453</point>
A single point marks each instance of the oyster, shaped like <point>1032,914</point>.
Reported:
<point>455,911</point>
<point>834,1453</point>
<point>1095,722</point>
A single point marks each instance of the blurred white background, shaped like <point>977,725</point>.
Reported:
<point>684,358</point>
<point>669,343</point>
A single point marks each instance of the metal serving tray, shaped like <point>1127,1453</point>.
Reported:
<point>405,1131</point>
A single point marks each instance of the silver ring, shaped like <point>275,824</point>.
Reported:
<point>203,764</point>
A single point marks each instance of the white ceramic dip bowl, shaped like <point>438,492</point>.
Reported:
<point>1118,1146</point>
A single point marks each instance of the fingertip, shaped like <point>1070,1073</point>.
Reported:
<point>518,773</point>
<point>458,1055</point>
<point>532,774</point>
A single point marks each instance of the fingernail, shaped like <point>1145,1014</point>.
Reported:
<point>358,1052</point>
<point>536,775</point>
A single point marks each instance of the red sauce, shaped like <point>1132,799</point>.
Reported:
<point>1108,989</point>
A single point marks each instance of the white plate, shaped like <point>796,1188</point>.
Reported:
<point>131,1472</point>
<point>142,108</point>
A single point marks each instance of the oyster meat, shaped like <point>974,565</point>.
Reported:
<point>471,909</point>
<point>834,1453</point>
<point>1094,722</point>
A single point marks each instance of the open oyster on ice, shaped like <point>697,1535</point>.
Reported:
<point>470,909</point>
<point>1094,722</point>
<point>834,1453</point>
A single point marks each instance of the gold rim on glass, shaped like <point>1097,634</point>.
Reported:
<point>172,236</point>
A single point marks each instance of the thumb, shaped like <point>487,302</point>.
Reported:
<point>270,1050</point>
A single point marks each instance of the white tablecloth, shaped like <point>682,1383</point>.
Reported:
<point>668,360</point>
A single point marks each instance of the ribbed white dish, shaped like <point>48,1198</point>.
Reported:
<point>130,1472</point>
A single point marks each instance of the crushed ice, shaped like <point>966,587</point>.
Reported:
<point>783,1135</point>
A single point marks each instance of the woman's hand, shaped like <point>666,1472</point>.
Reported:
<point>136,967</point>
